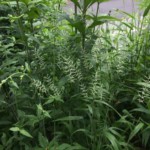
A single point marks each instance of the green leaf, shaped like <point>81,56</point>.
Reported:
<point>9,62</point>
<point>52,99</point>
<point>85,131</point>
<point>146,136</point>
<point>70,118</point>
<point>101,20</point>
<point>107,18</point>
<point>14,84</point>
<point>147,85</point>
<point>96,23</point>
<point>123,12</point>
<point>32,120</point>
<point>43,112</point>
<point>25,133</point>
<point>26,1</point>
<point>90,109</point>
<point>14,129</point>
<point>46,114</point>
<point>27,67</point>
<point>112,140</point>
<point>77,147</point>
<point>143,110</point>
<point>14,18</point>
<point>42,141</point>
<point>64,146</point>
<point>106,104</point>
<point>128,25</point>
<point>49,101</point>
<point>33,13</point>
<point>79,25</point>
<point>76,3</point>
<point>146,11</point>
<point>136,130</point>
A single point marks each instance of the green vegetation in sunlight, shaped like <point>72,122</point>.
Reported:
<point>143,3</point>
<point>73,82</point>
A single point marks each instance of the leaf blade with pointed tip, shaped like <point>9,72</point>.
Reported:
<point>69,118</point>
<point>25,133</point>
<point>76,3</point>
<point>147,85</point>
<point>101,20</point>
<point>136,130</point>
<point>146,11</point>
<point>14,129</point>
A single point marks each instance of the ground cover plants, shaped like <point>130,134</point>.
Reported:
<point>73,82</point>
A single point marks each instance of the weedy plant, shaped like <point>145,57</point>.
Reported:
<point>71,83</point>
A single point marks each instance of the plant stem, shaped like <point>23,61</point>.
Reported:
<point>75,11</point>
<point>22,31</point>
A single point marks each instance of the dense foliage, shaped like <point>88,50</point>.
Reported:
<point>73,82</point>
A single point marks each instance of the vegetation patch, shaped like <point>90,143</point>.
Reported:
<point>73,82</point>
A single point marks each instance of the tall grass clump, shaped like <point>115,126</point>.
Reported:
<point>76,82</point>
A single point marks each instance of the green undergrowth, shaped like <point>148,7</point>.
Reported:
<point>78,82</point>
